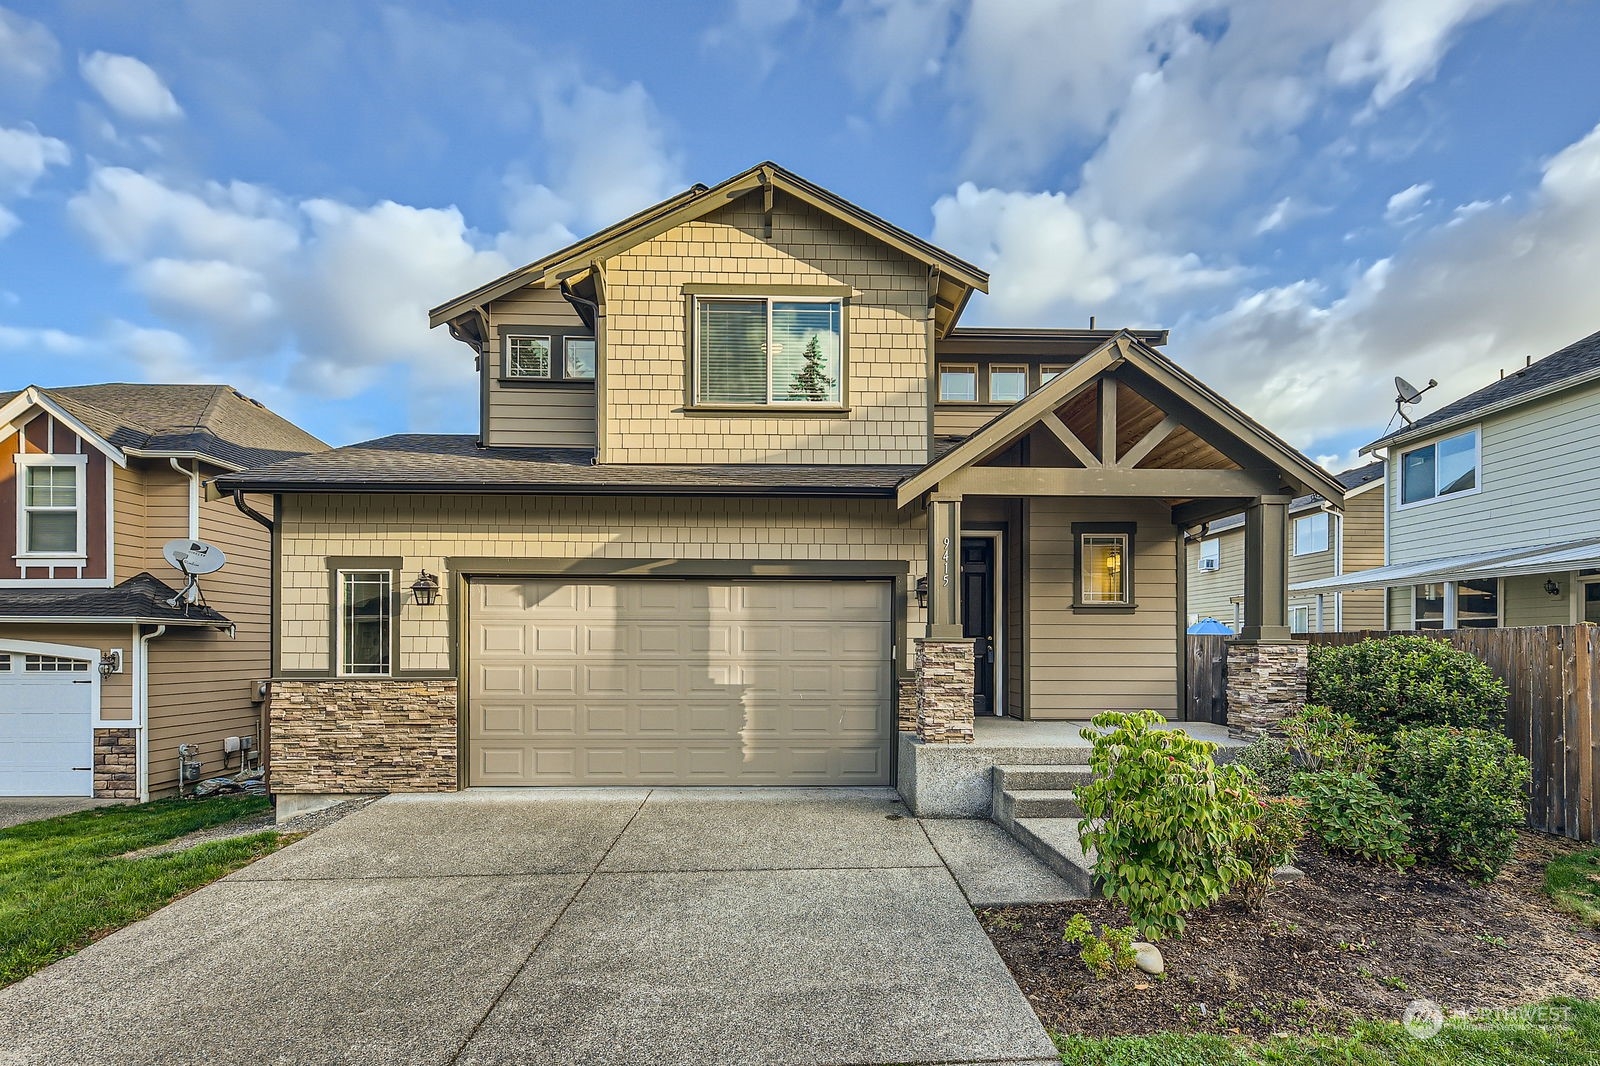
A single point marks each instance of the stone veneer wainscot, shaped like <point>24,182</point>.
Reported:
<point>1266,684</point>
<point>944,691</point>
<point>363,735</point>
<point>116,764</point>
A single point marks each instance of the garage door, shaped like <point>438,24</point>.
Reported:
<point>46,740</point>
<point>679,683</point>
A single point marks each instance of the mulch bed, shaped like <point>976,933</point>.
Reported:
<point>1349,941</point>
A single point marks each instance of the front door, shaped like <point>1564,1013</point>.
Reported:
<point>977,618</point>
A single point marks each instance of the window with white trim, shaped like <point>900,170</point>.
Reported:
<point>1007,384</point>
<point>768,352</point>
<point>51,522</point>
<point>958,384</point>
<point>527,356</point>
<point>366,620</point>
<point>1211,554</point>
<point>1047,374</point>
<point>1443,468</point>
<point>1300,618</point>
<point>1311,533</point>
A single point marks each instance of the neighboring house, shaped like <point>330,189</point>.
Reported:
<point>103,672</point>
<point>737,471</point>
<point>1322,543</point>
<point>1493,504</point>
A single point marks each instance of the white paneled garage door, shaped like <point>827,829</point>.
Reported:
<point>46,734</point>
<point>677,682</point>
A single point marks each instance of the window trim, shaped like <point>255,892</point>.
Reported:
<point>337,568</point>
<point>695,294</point>
<point>1327,534</point>
<point>1007,368</point>
<point>80,465</point>
<point>938,382</point>
<point>1053,370</point>
<point>1306,607</point>
<point>1214,543</point>
<point>557,336</point>
<point>1128,531</point>
<point>1477,466</point>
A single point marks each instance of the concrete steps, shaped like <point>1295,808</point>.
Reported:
<point>1037,804</point>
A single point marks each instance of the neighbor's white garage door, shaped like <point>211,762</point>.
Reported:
<point>46,733</point>
<point>677,682</point>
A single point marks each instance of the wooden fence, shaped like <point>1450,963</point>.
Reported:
<point>1553,714</point>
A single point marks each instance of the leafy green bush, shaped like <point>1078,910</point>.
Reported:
<point>1270,764</point>
<point>1466,793</point>
<point>1350,814</point>
<point>1104,953</point>
<point>1163,819</point>
<point>1320,738</point>
<point>1276,826</point>
<point>1400,682</point>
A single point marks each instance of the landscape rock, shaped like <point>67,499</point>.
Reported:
<point>1287,874</point>
<point>1148,958</point>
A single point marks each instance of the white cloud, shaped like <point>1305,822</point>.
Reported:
<point>25,155</point>
<point>32,341</point>
<point>1465,299</point>
<point>1407,204</point>
<point>129,87</point>
<point>751,29</point>
<point>28,52</point>
<point>1400,42</point>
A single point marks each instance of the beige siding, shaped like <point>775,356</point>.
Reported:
<point>1212,592</point>
<point>1363,550</point>
<point>425,531</point>
<point>951,421</point>
<point>1084,662</point>
<point>116,690</point>
<point>532,416</point>
<point>200,680</point>
<point>128,512</point>
<point>646,343</point>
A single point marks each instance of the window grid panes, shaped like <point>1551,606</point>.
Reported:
<point>50,505</point>
<point>1104,568</point>
<point>958,384</point>
<point>1007,384</point>
<point>1311,533</point>
<point>761,352</point>
<point>527,357</point>
<point>1442,468</point>
<point>54,664</point>
<point>1047,374</point>
<point>365,616</point>
<point>579,353</point>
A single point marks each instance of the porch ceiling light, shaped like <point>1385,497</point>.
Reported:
<point>425,589</point>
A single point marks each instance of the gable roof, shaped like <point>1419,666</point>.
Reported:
<point>1577,363</point>
<point>213,422</point>
<point>1124,348</point>
<point>1358,477</point>
<point>698,201</point>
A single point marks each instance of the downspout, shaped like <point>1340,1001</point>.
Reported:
<point>248,511</point>
<point>141,709</point>
<point>194,496</point>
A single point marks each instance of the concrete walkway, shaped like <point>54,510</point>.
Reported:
<point>664,927</point>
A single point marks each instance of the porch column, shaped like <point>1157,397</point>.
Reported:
<point>1266,578</point>
<point>944,663</point>
<point>1452,606</point>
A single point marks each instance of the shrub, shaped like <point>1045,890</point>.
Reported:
<point>1400,682</point>
<point>1466,793</point>
<point>1270,764</point>
<point>1276,826</point>
<point>1105,953</point>
<point>1163,819</point>
<point>1350,814</point>
<point>1320,738</point>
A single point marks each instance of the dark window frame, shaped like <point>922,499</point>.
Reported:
<point>338,566</point>
<point>1130,566</point>
<point>558,357</point>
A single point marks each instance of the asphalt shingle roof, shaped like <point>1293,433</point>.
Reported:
<point>455,463</point>
<point>141,598</point>
<point>215,421</point>
<point>1576,359</point>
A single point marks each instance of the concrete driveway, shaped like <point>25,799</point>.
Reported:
<point>15,810</point>
<point>650,927</point>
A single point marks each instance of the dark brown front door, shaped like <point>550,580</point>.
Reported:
<point>977,617</point>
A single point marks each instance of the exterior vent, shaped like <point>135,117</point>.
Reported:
<point>1209,564</point>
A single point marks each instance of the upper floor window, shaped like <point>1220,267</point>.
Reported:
<point>1007,384</point>
<point>1311,533</point>
<point>1047,374</point>
<point>555,355</point>
<point>958,384</point>
<point>528,357</point>
<point>1442,468</point>
<point>50,512</point>
<point>579,358</point>
<point>1211,554</point>
<point>768,352</point>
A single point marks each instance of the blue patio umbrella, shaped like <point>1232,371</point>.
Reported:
<point>1211,625</point>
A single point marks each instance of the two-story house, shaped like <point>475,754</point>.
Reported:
<point>743,504</point>
<point>1323,542</point>
<point>105,668</point>
<point>1492,504</point>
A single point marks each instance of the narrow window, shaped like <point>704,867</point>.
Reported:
<point>767,352</point>
<point>527,357</point>
<point>1211,554</point>
<point>1311,533</point>
<point>1300,618</point>
<point>51,523</point>
<point>958,384</point>
<point>1103,569</point>
<point>579,352</point>
<point>1007,384</point>
<point>1442,468</point>
<point>366,605</point>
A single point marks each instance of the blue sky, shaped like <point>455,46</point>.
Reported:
<point>1313,198</point>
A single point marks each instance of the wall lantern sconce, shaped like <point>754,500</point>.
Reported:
<point>1552,588</point>
<point>922,591</point>
<point>425,589</point>
<point>111,662</point>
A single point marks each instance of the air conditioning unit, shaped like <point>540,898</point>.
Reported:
<point>1207,563</point>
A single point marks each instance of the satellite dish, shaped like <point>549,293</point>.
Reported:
<point>1405,392</point>
<point>194,557</point>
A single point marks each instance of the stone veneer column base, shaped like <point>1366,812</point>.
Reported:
<point>116,764</point>
<point>362,735</point>
<point>1266,684</point>
<point>905,704</point>
<point>944,691</point>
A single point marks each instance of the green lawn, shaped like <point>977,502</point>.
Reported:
<point>1573,881</point>
<point>63,882</point>
<point>1552,1034</point>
